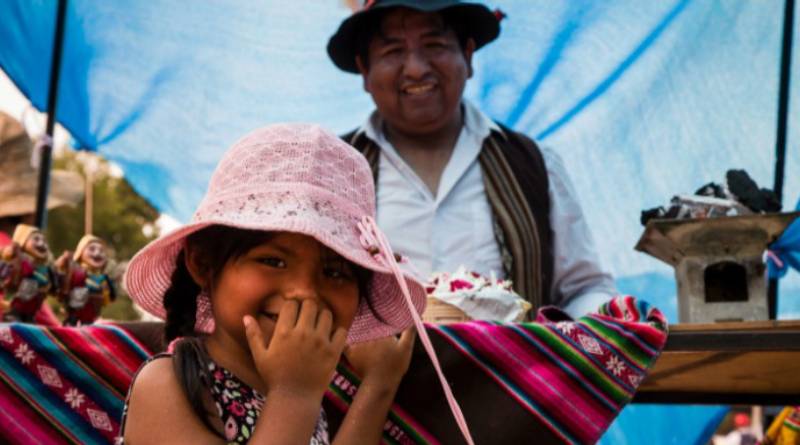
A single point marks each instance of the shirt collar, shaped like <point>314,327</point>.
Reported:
<point>475,122</point>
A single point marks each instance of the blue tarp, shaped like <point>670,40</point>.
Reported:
<point>642,99</point>
<point>784,253</point>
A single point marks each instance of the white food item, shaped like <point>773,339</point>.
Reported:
<point>479,297</point>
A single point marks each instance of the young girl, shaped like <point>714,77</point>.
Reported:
<point>280,269</point>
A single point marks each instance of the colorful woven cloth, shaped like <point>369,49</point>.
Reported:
<point>552,381</point>
<point>64,385</point>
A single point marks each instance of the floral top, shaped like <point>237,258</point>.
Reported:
<point>238,405</point>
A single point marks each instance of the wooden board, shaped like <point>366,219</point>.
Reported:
<point>741,363</point>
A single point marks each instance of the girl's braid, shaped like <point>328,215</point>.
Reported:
<point>180,302</point>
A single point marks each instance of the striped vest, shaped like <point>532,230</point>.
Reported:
<point>515,178</point>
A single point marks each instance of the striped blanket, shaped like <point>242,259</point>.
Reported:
<point>551,381</point>
<point>64,385</point>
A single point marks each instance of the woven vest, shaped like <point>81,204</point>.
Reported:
<point>515,178</point>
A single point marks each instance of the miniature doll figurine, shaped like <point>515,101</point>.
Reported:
<point>87,289</point>
<point>28,273</point>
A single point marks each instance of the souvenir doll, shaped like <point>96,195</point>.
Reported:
<point>86,287</point>
<point>28,274</point>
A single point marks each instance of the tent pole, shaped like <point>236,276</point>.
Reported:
<point>783,117</point>
<point>88,203</point>
<point>52,95</point>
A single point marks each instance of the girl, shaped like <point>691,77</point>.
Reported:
<point>280,268</point>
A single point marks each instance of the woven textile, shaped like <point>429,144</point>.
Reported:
<point>64,385</point>
<point>555,380</point>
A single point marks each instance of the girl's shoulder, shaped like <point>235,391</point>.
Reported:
<point>157,410</point>
<point>155,375</point>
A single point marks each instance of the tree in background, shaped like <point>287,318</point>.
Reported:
<point>124,219</point>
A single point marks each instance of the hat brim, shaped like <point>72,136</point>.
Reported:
<point>480,22</point>
<point>149,275</point>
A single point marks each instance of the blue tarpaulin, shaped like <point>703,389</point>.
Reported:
<point>642,99</point>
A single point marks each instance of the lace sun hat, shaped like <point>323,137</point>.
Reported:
<point>295,178</point>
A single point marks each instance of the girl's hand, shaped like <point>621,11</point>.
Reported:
<point>303,351</point>
<point>383,361</point>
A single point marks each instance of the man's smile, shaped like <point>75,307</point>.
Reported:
<point>418,89</point>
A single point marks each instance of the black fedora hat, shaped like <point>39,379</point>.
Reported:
<point>482,25</point>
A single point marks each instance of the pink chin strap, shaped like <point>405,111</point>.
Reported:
<point>372,236</point>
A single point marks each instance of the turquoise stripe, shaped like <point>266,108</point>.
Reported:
<point>124,337</point>
<point>85,382</point>
<point>58,410</point>
<point>508,384</point>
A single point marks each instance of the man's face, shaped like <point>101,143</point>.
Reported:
<point>416,71</point>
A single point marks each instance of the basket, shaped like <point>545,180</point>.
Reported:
<point>439,312</point>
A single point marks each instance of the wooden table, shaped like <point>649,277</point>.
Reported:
<point>753,363</point>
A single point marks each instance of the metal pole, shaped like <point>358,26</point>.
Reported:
<point>88,203</point>
<point>52,96</point>
<point>783,117</point>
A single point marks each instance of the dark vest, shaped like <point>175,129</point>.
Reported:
<point>515,178</point>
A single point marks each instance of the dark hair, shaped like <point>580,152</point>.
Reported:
<point>373,27</point>
<point>213,247</point>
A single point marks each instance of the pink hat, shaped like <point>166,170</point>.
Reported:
<point>295,178</point>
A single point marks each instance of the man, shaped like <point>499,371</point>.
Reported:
<point>454,187</point>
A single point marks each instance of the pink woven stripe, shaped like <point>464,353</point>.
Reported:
<point>118,351</point>
<point>70,342</point>
<point>583,398</point>
<point>109,357</point>
<point>121,346</point>
<point>641,324</point>
<point>539,378</point>
<point>518,396</point>
<point>16,420</point>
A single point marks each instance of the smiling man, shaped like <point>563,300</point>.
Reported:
<point>455,188</point>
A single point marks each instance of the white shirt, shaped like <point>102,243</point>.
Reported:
<point>454,227</point>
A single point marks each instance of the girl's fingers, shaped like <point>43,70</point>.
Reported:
<point>407,338</point>
<point>339,340</point>
<point>255,338</point>
<point>287,317</point>
<point>308,314</point>
<point>325,323</point>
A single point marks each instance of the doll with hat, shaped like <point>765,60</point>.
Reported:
<point>86,287</point>
<point>28,273</point>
